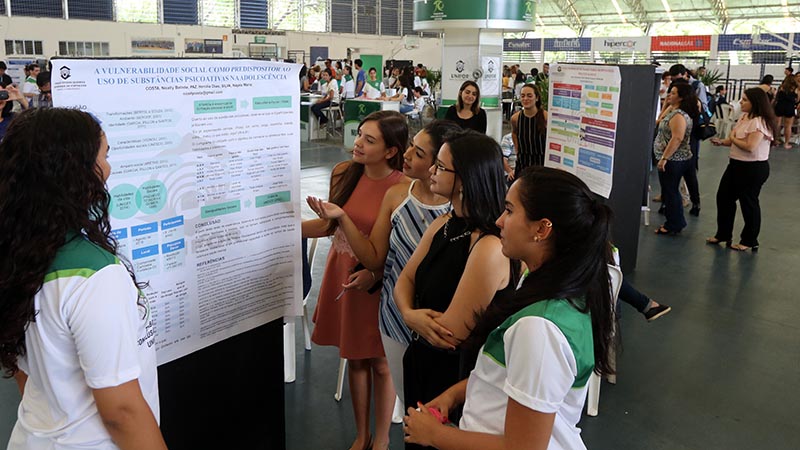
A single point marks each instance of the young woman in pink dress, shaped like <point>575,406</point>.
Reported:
<point>347,314</point>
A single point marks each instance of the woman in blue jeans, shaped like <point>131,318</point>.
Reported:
<point>671,148</point>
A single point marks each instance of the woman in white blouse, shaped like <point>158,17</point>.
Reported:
<point>747,170</point>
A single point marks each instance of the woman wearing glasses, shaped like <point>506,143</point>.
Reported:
<point>457,269</point>
<point>529,385</point>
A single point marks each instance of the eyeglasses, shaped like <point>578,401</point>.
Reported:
<point>441,168</point>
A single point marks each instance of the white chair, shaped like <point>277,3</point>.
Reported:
<point>289,357</point>
<point>334,115</point>
<point>593,394</point>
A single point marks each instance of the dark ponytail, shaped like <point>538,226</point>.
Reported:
<point>577,270</point>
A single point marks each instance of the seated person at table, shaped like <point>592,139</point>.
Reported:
<point>374,89</point>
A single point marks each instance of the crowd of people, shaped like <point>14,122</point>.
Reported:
<point>476,293</point>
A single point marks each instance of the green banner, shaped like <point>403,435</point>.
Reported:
<point>354,112</point>
<point>375,61</point>
<point>437,10</point>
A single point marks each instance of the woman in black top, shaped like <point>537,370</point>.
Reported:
<point>457,269</point>
<point>467,111</point>
<point>529,130</point>
<point>785,106</point>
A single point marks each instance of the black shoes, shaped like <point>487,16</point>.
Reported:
<point>695,211</point>
<point>656,312</point>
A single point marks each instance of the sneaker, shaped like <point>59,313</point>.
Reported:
<point>656,312</point>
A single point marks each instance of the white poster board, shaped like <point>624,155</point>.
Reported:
<point>582,122</point>
<point>492,76</point>
<point>205,187</point>
<point>458,65</point>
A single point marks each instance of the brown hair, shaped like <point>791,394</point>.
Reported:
<point>394,130</point>
<point>541,123</point>
<point>476,107</point>
<point>761,107</point>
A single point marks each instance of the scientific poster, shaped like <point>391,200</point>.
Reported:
<point>582,122</point>
<point>204,187</point>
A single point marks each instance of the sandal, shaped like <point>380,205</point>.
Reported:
<point>744,248</point>
<point>662,230</point>
<point>715,241</point>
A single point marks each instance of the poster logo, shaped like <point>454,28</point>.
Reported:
<point>460,66</point>
<point>438,6</point>
<point>529,8</point>
<point>491,67</point>
<point>362,109</point>
<point>64,70</point>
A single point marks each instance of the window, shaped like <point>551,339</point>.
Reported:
<point>300,15</point>
<point>218,13</point>
<point>37,8</point>
<point>180,12</point>
<point>91,9</point>
<point>69,48</point>
<point>22,47</point>
<point>253,14</point>
<point>144,11</point>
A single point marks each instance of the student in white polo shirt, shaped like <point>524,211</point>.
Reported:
<point>75,330</point>
<point>529,385</point>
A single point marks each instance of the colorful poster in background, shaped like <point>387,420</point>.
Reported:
<point>16,70</point>
<point>509,14</point>
<point>680,43</point>
<point>354,112</point>
<point>522,45</point>
<point>582,122</point>
<point>213,46</point>
<point>375,61</point>
<point>152,46</point>
<point>204,187</point>
<point>194,46</point>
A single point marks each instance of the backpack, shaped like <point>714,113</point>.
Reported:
<point>702,128</point>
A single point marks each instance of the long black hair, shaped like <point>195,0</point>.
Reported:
<point>439,131</point>
<point>394,130</point>
<point>478,161</point>
<point>50,188</point>
<point>761,107</point>
<point>580,250</point>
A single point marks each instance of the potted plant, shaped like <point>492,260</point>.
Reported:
<point>435,81</point>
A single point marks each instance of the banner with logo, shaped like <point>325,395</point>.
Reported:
<point>490,80</point>
<point>744,42</point>
<point>205,187</point>
<point>680,43</point>
<point>582,122</point>
<point>567,44</point>
<point>627,44</point>
<point>354,112</point>
<point>459,64</point>
<point>443,14</point>
<point>522,45</point>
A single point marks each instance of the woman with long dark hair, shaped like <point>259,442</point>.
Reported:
<point>347,314</point>
<point>529,130</point>
<point>467,111</point>
<point>747,171</point>
<point>786,107</point>
<point>529,385</point>
<point>457,269</point>
<point>405,213</point>
<point>671,148</point>
<point>75,330</point>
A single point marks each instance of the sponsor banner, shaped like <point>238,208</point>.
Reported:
<point>744,42</point>
<point>492,76</point>
<point>627,44</point>
<point>459,64</point>
<point>515,14</point>
<point>522,45</point>
<point>680,43</point>
<point>568,44</point>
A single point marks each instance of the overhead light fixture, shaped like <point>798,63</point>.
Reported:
<point>619,11</point>
<point>668,10</point>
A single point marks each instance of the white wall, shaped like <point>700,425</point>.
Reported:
<point>119,35</point>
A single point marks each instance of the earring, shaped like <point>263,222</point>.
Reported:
<point>536,239</point>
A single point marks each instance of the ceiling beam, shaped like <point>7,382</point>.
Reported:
<point>720,11</point>
<point>639,15</point>
<point>570,17</point>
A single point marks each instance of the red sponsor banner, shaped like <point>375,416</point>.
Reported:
<point>598,123</point>
<point>574,87</point>
<point>680,43</point>
<point>554,146</point>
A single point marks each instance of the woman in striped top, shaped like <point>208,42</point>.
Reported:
<point>407,210</point>
<point>529,130</point>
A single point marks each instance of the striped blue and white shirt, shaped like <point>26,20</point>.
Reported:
<point>409,221</point>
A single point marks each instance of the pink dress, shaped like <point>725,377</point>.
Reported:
<point>351,322</point>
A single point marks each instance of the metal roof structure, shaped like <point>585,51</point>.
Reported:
<point>578,14</point>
